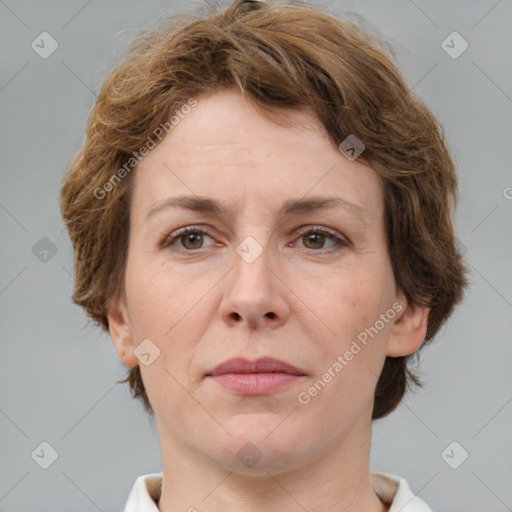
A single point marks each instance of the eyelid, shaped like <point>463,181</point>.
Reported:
<point>323,229</point>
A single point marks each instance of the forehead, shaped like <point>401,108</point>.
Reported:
<point>224,147</point>
<point>228,124</point>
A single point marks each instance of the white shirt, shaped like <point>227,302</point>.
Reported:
<point>391,489</point>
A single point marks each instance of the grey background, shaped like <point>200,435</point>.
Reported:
<point>58,378</point>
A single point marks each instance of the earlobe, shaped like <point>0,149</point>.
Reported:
<point>121,333</point>
<point>408,330</point>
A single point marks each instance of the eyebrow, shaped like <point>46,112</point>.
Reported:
<point>290,207</point>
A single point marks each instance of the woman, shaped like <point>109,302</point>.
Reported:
<point>261,219</point>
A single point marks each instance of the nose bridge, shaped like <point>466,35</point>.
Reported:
<point>254,294</point>
<point>251,267</point>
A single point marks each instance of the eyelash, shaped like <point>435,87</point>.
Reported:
<point>173,237</point>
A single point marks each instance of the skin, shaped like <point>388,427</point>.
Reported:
<point>299,301</point>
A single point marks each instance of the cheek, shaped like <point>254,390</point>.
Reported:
<point>354,303</point>
<point>155,298</point>
<point>165,309</point>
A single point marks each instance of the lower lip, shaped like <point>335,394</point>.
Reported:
<point>255,383</point>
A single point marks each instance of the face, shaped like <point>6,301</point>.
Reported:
<point>252,279</point>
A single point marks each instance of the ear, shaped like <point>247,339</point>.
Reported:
<point>121,332</point>
<point>408,330</point>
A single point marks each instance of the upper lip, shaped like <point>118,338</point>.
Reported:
<point>262,365</point>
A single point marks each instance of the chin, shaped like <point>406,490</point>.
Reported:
<point>261,444</point>
<point>259,459</point>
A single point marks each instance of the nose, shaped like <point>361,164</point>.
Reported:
<point>255,290</point>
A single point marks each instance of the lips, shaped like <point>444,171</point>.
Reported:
<point>262,365</point>
<point>261,377</point>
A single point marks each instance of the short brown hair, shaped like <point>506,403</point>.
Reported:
<point>278,56</point>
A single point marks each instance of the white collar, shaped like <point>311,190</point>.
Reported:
<point>390,488</point>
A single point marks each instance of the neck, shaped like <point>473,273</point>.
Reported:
<point>338,479</point>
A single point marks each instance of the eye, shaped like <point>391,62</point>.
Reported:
<point>191,238</point>
<point>315,237</point>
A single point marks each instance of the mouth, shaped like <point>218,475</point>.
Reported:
<point>259,377</point>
